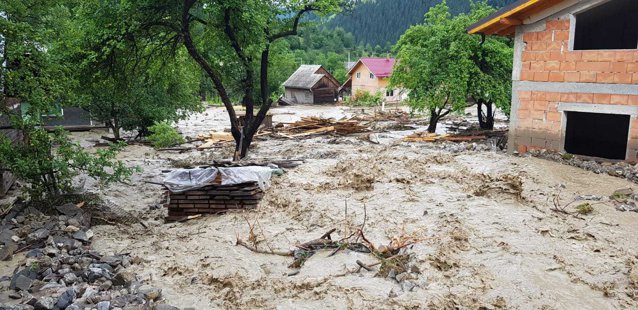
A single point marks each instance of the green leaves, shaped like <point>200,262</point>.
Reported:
<point>442,66</point>
<point>49,162</point>
<point>163,135</point>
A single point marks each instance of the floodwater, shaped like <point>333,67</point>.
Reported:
<point>482,245</point>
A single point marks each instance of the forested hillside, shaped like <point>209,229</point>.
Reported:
<point>381,22</point>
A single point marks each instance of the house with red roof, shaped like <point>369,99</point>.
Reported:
<point>372,75</point>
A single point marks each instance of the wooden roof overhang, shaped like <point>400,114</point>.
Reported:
<point>504,21</point>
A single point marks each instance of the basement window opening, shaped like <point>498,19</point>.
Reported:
<point>597,134</point>
<point>609,26</point>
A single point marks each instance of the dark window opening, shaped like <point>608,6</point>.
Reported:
<point>598,135</point>
<point>613,25</point>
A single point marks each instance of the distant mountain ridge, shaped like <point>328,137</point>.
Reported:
<point>382,22</point>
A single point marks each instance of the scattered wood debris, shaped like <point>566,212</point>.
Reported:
<point>392,258</point>
<point>466,136</point>
<point>309,126</point>
<point>212,138</point>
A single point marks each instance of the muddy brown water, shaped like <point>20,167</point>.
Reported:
<point>494,250</point>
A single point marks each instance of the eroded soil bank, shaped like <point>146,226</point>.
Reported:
<point>489,235</point>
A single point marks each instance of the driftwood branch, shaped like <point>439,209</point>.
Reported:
<point>256,250</point>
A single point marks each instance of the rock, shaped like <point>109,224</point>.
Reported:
<point>96,273</point>
<point>74,222</point>
<point>126,261</point>
<point>24,272</point>
<point>6,235</point>
<point>106,285</point>
<point>106,267</point>
<point>39,234</point>
<point>65,243</point>
<point>74,307</point>
<point>82,236</point>
<point>631,207</point>
<point>15,295</point>
<point>68,209</point>
<point>165,307</point>
<point>111,260</point>
<point>35,253</point>
<point>6,252</point>
<point>23,283</point>
<point>623,192</point>
<point>71,229</point>
<point>89,292</point>
<point>124,278</point>
<point>151,293</point>
<point>45,303</point>
<point>51,251</point>
<point>407,286</point>
<point>66,298</point>
<point>103,305</point>
<point>70,278</point>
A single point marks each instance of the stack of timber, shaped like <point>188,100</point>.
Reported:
<point>308,126</point>
<point>214,199</point>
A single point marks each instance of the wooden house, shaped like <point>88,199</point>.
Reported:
<point>575,77</point>
<point>310,84</point>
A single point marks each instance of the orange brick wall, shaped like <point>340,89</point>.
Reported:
<point>546,58</point>
<point>539,121</point>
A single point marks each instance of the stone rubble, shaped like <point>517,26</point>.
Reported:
<point>61,271</point>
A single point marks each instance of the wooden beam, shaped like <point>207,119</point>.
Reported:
<point>511,21</point>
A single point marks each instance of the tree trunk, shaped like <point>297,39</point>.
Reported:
<point>434,119</point>
<point>486,120</point>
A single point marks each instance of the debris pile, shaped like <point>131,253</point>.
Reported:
<point>214,199</point>
<point>309,126</point>
<point>394,260</point>
<point>212,138</point>
<point>466,136</point>
<point>61,270</point>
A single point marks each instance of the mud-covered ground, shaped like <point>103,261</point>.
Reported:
<point>484,242</point>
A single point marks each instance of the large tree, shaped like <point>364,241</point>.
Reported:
<point>442,66</point>
<point>231,41</point>
<point>36,73</point>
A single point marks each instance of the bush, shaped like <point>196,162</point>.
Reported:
<point>163,135</point>
<point>49,162</point>
<point>364,98</point>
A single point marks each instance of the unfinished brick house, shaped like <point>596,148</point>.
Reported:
<point>575,77</point>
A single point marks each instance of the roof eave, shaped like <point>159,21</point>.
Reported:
<point>505,20</point>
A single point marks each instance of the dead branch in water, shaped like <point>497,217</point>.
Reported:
<point>390,256</point>
<point>256,250</point>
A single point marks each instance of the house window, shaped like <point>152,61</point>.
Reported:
<point>389,93</point>
<point>371,76</point>
<point>307,95</point>
<point>358,75</point>
<point>613,25</point>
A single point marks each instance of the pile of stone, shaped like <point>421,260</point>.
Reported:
<point>61,271</point>
<point>215,199</point>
